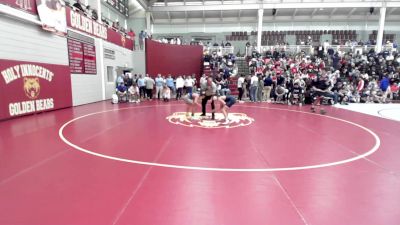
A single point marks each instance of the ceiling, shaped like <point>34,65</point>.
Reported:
<point>228,11</point>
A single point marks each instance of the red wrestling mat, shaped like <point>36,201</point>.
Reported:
<point>149,164</point>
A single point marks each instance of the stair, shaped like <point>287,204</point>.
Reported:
<point>233,85</point>
<point>243,66</point>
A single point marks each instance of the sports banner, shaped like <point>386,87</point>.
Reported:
<point>25,5</point>
<point>28,87</point>
<point>52,15</point>
<point>119,39</point>
<point>80,22</point>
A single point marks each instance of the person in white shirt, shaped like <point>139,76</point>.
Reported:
<point>159,86</point>
<point>133,92</point>
<point>179,86</point>
<point>253,88</point>
<point>203,80</point>
<point>326,46</point>
<point>240,83</point>
<point>189,82</point>
<point>166,93</point>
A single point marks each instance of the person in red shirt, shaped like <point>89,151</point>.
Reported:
<point>394,90</point>
<point>132,35</point>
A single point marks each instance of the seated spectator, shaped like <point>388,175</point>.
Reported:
<point>121,92</point>
<point>95,16</point>
<point>133,93</point>
<point>166,93</point>
<point>88,11</point>
<point>79,5</point>
<point>394,91</point>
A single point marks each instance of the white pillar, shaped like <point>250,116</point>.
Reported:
<point>99,10</point>
<point>381,27</point>
<point>102,70</point>
<point>259,30</point>
<point>148,22</point>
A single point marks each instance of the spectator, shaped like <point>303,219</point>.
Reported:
<point>188,83</point>
<point>95,16</point>
<point>253,88</point>
<point>142,86</point>
<point>121,92</point>
<point>78,5</point>
<point>159,86</point>
<point>88,11</point>
<point>149,87</point>
<point>267,88</point>
<point>170,83</point>
<point>179,87</point>
<point>166,93</point>
<point>142,36</point>
<point>133,92</point>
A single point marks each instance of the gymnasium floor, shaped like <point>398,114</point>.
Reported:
<point>146,164</point>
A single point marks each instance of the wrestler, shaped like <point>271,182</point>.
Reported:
<point>191,101</point>
<point>225,103</point>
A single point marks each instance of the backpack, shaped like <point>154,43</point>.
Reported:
<point>114,99</point>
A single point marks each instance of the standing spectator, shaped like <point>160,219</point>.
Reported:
<point>142,86</point>
<point>267,88</point>
<point>240,86</point>
<point>159,86</point>
<point>132,35</point>
<point>253,88</point>
<point>142,36</point>
<point>189,82</point>
<point>179,87</point>
<point>170,83</point>
<point>260,88</point>
<point>149,87</point>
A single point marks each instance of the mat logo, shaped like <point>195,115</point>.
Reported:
<point>235,120</point>
<point>31,87</point>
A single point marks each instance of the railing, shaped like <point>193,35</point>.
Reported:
<point>225,50</point>
<point>295,49</point>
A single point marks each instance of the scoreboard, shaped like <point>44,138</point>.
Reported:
<point>119,5</point>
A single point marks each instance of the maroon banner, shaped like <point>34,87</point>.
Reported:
<point>119,39</point>
<point>25,5</point>
<point>28,87</point>
<point>79,21</point>
<point>82,57</point>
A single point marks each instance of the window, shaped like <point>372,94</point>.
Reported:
<point>110,74</point>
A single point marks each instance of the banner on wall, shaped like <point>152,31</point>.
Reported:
<point>25,5</point>
<point>52,15</point>
<point>80,22</point>
<point>81,54</point>
<point>28,87</point>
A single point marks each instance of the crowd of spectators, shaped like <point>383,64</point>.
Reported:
<point>335,77</point>
<point>138,87</point>
<point>329,76</point>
